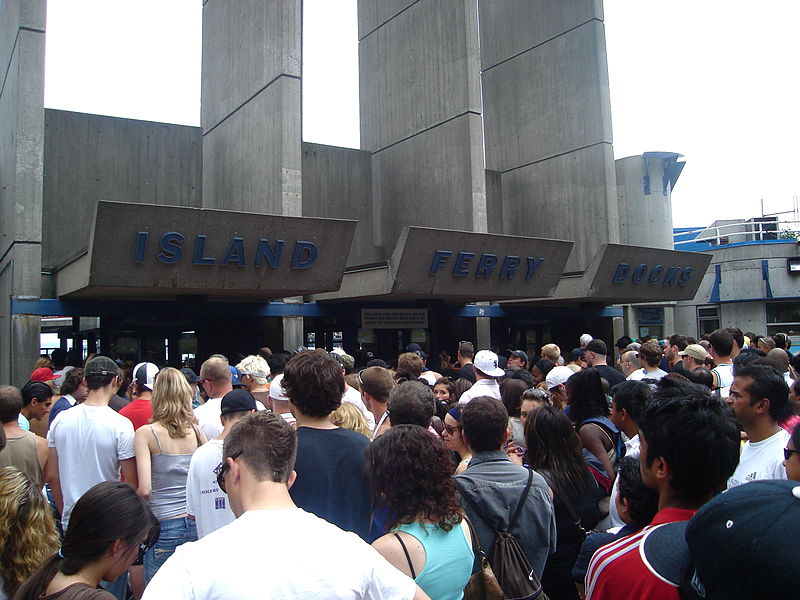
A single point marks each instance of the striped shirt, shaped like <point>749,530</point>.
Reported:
<point>619,570</point>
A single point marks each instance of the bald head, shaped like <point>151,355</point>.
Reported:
<point>215,375</point>
<point>779,359</point>
<point>629,362</point>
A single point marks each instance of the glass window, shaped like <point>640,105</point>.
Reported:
<point>783,317</point>
<point>707,319</point>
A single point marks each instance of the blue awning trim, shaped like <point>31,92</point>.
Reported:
<point>715,288</point>
<point>765,277</point>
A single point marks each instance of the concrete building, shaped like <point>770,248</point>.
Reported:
<point>484,203</point>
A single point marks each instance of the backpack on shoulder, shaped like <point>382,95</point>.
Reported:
<point>509,563</point>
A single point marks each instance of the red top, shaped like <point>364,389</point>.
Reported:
<point>618,571</point>
<point>139,412</point>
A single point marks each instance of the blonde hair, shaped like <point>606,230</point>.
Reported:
<point>43,361</point>
<point>255,364</point>
<point>172,402</point>
<point>552,352</point>
<point>28,534</point>
<point>349,416</point>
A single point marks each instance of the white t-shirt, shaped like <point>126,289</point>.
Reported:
<point>724,373</point>
<point>353,396</point>
<point>204,500</point>
<point>90,442</point>
<point>482,387</point>
<point>612,519</point>
<point>640,374</point>
<point>281,555</point>
<point>761,460</point>
<point>208,417</point>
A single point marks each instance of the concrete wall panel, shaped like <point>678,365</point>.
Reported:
<point>418,70</point>
<point>251,161</point>
<point>374,13</point>
<point>548,101</point>
<point>513,26</point>
<point>246,45</point>
<point>644,219</point>
<point>337,182</point>
<point>92,157</point>
<point>425,181</point>
<point>569,197</point>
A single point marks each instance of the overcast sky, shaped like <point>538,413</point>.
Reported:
<point>715,80</point>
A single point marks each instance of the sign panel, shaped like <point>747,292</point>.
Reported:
<point>394,318</point>
<point>457,265</point>
<point>145,247</point>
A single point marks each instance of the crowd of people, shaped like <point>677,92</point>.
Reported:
<point>651,469</point>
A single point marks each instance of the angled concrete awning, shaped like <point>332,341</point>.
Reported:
<point>146,250</point>
<point>441,264</point>
<point>629,274</point>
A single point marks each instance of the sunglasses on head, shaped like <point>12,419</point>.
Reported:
<point>222,468</point>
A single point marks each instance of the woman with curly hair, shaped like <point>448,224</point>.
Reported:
<point>28,533</point>
<point>589,410</point>
<point>164,450</point>
<point>429,539</point>
<point>554,451</point>
<point>109,528</point>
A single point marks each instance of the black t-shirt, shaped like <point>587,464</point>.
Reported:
<point>465,372</point>
<point>610,374</point>
<point>331,480</point>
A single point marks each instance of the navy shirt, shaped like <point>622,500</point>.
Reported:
<point>331,480</point>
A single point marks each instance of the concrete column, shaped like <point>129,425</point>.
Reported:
<point>250,105</point>
<point>293,327</point>
<point>631,324</point>
<point>22,43</point>
<point>483,333</point>
<point>547,121</point>
<point>421,114</point>
<point>669,320</point>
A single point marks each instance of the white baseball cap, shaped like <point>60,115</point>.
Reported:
<point>144,374</point>
<point>276,391</point>
<point>486,362</point>
<point>557,376</point>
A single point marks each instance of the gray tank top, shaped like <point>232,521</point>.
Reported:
<point>168,481</point>
<point>20,452</point>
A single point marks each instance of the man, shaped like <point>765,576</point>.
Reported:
<point>37,397</point>
<point>738,341</point>
<point>486,371</point>
<point>720,348</point>
<point>331,482</point>
<point>628,402</point>
<point>427,374</point>
<point>352,395</point>
<point>376,385</point>
<point>556,383</point>
<point>140,410</point>
<point>595,353</point>
<point>551,352</point>
<point>24,450</point>
<point>466,351</point>
<point>629,362</point>
<point>273,549</point>
<point>74,391</point>
<point>60,368</point>
<point>577,360</point>
<point>675,344</point>
<point>689,447</point>
<point>779,359</point>
<point>216,381</point>
<point>412,403</point>
<point>492,485</point>
<point>205,502</point>
<point>760,400</point>
<point>45,375</point>
<point>693,357</point>
<point>649,359</point>
<point>90,443</point>
<point>517,359</point>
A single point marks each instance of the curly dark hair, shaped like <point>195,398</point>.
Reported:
<point>586,396</point>
<point>314,383</point>
<point>410,475</point>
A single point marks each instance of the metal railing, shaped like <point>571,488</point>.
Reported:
<point>749,230</point>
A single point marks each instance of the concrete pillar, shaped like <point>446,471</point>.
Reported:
<point>669,320</point>
<point>547,121</point>
<point>293,327</point>
<point>420,103</point>
<point>250,106</point>
<point>483,333</point>
<point>22,43</point>
<point>631,324</point>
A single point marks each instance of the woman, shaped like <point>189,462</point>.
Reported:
<point>589,410</point>
<point>445,391</point>
<point>163,452</point>
<point>554,451</point>
<point>511,391</point>
<point>428,538</point>
<point>254,371</point>
<point>792,456</point>
<point>349,416</point>
<point>28,533</point>
<point>109,527</point>
<point>541,369</point>
<point>452,437</point>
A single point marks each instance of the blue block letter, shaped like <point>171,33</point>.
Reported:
<point>171,250</point>
<point>305,254</point>
<point>439,258</point>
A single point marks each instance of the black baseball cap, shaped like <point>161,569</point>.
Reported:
<point>237,401</point>
<point>191,376</point>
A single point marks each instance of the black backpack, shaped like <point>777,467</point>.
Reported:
<point>508,561</point>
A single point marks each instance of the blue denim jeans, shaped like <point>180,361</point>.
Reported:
<point>117,588</point>
<point>174,532</point>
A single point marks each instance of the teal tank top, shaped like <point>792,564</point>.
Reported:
<point>448,560</point>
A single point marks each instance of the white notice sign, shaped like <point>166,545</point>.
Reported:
<point>394,318</point>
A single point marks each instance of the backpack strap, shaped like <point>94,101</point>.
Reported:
<point>521,501</point>
<point>408,556</point>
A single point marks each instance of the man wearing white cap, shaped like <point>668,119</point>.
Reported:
<point>486,373</point>
<point>693,356</point>
<point>555,381</point>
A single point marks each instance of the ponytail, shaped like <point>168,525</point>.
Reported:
<point>35,586</point>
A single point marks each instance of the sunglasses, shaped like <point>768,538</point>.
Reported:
<point>222,468</point>
<point>787,452</point>
<point>451,429</point>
